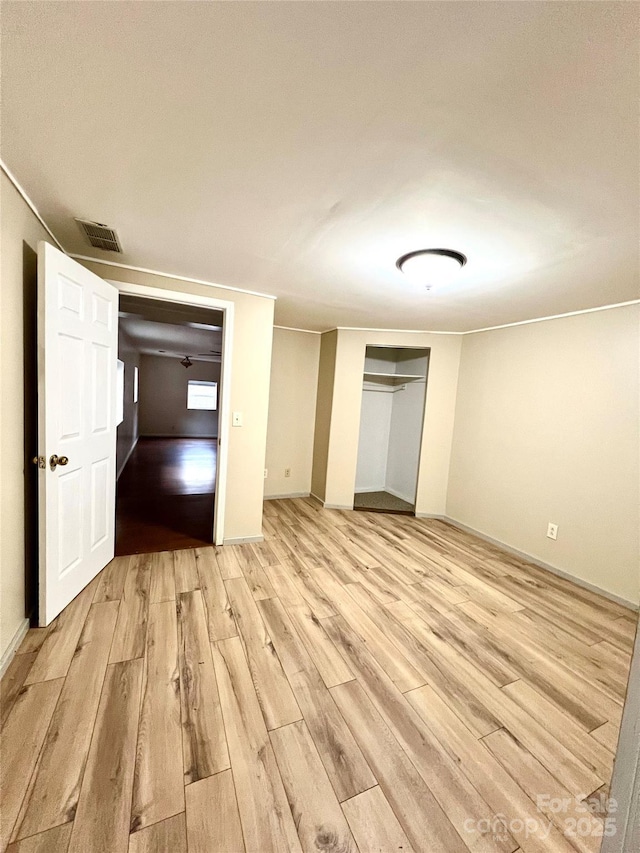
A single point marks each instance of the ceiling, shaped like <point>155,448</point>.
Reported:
<point>299,148</point>
<point>171,331</point>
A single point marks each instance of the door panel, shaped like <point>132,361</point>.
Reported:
<point>100,509</point>
<point>100,385</point>
<point>77,352</point>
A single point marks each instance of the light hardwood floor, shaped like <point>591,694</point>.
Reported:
<point>356,682</point>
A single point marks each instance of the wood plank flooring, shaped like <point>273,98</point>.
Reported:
<point>160,505</point>
<point>357,683</point>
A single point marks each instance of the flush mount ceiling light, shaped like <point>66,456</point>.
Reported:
<point>431,267</point>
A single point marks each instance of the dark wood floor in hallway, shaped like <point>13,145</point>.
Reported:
<point>165,498</point>
<point>356,682</point>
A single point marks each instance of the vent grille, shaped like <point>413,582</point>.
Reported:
<point>100,236</point>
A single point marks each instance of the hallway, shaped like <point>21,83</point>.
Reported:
<point>165,496</point>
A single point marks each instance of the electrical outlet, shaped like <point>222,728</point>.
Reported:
<point>266,473</point>
<point>552,530</point>
<point>287,472</point>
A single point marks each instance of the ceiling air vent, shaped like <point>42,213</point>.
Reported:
<point>100,236</point>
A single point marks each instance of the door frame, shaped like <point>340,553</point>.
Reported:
<point>224,408</point>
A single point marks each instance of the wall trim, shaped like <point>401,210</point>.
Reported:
<point>284,497</point>
<point>486,328</point>
<point>618,599</point>
<point>243,540</point>
<point>293,329</point>
<point>30,204</point>
<point>554,317</point>
<point>13,646</point>
<point>326,505</point>
<point>432,515</point>
<point>394,331</point>
<point>170,275</point>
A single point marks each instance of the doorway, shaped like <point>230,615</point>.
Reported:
<point>391,421</point>
<point>169,371</point>
<point>174,361</point>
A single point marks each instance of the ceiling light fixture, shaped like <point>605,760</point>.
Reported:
<point>186,361</point>
<point>431,267</point>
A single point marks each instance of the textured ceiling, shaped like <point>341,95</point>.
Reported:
<point>299,148</point>
<point>172,331</point>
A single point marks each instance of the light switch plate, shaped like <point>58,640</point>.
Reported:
<point>236,419</point>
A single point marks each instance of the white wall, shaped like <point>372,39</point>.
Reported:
<point>163,398</point>
<point>406,431</point>
<point>373,441</point>
<point>547,429</point>
<point>20,233</point>
<point>128,430</point>
<point>404,441</point>
<point>292,404</point>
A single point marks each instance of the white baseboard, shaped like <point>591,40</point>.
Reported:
<point>541,564</point>
<point>243,540</point>
<point>13,646</point>
<point>284,497</point>
<point>433,515</point>
<point>326,505</point>
<point>128,456</point>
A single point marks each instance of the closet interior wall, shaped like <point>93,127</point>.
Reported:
<point>391,421</point>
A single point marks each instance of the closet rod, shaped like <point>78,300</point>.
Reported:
<point>391,389</point>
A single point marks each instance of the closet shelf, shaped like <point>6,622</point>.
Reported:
<point>392,378</point>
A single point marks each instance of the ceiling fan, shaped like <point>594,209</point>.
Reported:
<point>187,362</point>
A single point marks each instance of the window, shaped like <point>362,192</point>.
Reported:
<point>135,384</point>
<point>202,395</point>
<point>120,393</point>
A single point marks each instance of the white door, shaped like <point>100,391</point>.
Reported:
<point>77,352</point>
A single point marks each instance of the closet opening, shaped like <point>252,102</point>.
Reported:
<point>394,390</point>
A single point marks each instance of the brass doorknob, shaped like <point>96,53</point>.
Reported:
<point>54,461</point>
